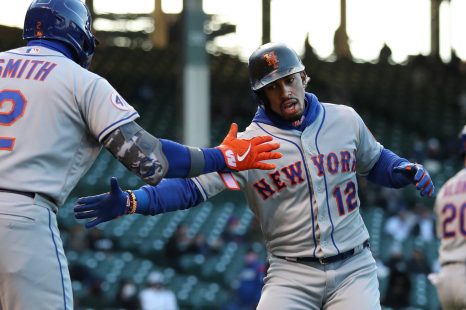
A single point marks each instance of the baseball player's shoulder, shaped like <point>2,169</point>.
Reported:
<point>3,54</point>
<point>449,184</point>
<point>342,113</point>
<point>251,131</point>
<point>92,77</point>
<point>338,108</point>
<point>460,176</point>
<point>17,50</point>
<point>85,78</point>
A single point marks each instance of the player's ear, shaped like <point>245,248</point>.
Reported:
<point>304,78</point>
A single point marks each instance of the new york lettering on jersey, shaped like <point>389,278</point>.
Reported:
<point>334,162</point>
<point>292,174</point>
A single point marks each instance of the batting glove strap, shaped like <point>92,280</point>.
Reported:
<point>419,176</point>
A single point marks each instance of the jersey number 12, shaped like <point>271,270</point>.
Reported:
<point>350,198</point>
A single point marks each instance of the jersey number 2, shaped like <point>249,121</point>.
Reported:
<point>12,107</point>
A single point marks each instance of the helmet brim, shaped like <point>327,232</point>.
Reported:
<point>275,75</point>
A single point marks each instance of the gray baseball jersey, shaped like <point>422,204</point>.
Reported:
<point>450,208</point>
<point>52,115</point>
<point>309,207</point>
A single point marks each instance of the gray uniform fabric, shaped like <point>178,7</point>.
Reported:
<point>347,284</point>
<point>450,208</point>
<point>53,114</point>
<point>33,267</point>
<point>64,117</point>
<point>309,207</point>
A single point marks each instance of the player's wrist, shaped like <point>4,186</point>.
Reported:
<point>142,200</point>
<point>214,160</point>
<point>131,202</point>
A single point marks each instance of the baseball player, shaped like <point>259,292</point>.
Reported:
<point>308,207</point>
<point>450,208</point>
<point>54,116</point>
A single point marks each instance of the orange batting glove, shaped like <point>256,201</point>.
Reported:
<point>244,154</point>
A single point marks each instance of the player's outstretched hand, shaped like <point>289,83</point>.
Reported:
<point>244,154</point>
<point>103,207</point>
<point>419,176</point>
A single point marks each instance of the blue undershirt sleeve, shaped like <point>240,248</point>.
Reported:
<point>382,173</point>
<point>214,160</point>
<point>169,195</point>
<point>179,159</point>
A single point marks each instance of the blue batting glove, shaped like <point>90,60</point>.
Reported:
<point>103,207</point>
<point>419,176</point>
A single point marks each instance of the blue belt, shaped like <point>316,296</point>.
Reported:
<point>324,260</point>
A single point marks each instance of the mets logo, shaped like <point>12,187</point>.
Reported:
<point>119,102</point>
<point>38,30</point>
<point>271,59</point>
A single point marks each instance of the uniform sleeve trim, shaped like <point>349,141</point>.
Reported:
<point>201,188</point>
<point>112,126</point>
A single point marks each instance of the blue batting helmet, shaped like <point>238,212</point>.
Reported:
<point>270,62</point>
<point>67,21</point>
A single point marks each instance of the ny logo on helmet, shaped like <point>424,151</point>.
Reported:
<point>38,30</point>
<point>271,59</point>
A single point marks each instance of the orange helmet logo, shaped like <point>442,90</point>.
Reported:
<point>271,59</point>
<point>38,31</point>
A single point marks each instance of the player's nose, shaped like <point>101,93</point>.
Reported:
<point>284,91</point>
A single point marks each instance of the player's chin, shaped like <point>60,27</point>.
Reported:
<point>292,117</point>
<point>292,113</point>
